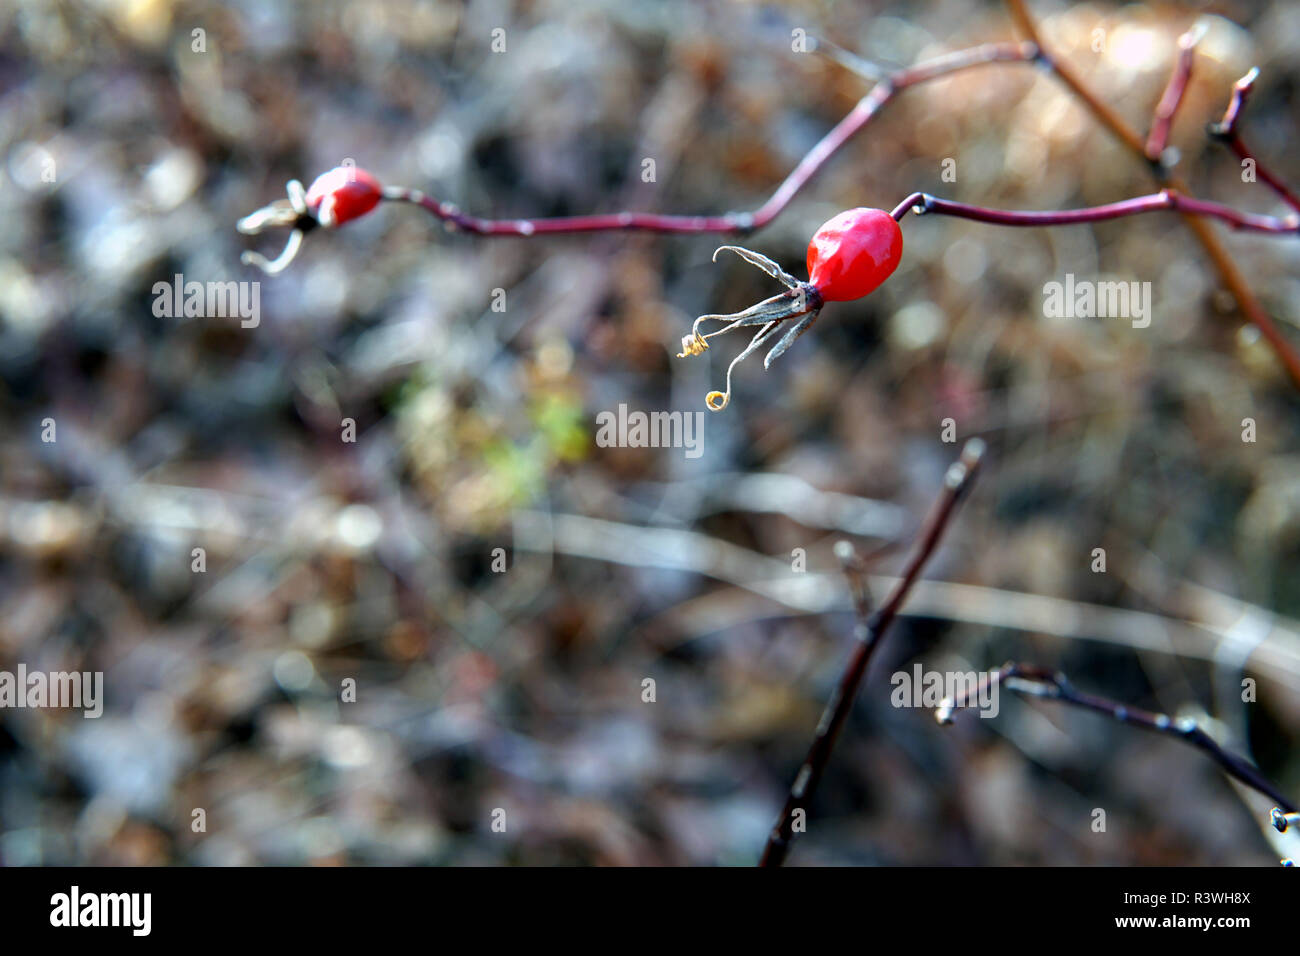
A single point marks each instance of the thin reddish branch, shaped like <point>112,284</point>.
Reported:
<point>1163,120</point>
<point>293,212</point>
<point>602,222</point>
<point>1165,199</point>
<point>1033,681</point>
<point>1241,91</point>
<point>743,222</point>
<point>1262,172</point>
<point>869,630</point>
<point>1226,132</point>
<point>1228,271</point>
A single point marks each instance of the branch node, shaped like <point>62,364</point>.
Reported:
<point>742,222</point>
<point>1282,820</point>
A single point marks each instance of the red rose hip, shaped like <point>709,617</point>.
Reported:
<point>343,194</point>
<point>853,253</point>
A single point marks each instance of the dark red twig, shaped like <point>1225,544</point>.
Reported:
<point>919,202</point>
<point>1241,91</point>
<point>735,222</point>
<point>1033,681</point>
<point>1225,131</point>
<point>869,630</point>
<point>1173,95</point>
<point>1165,199</point>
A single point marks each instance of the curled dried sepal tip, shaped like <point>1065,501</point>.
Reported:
<point>763,262</point>
<point>692,344</point>
<point>273,267</point>
<point>282,212</point>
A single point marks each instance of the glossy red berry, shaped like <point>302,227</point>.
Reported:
<point>851,254</point>
<point>343,194</point>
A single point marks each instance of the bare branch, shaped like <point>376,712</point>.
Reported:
<point>734,223</point>
<point>1163,119</point>
<point>869,630</point>
<point>922,203</point>
<point>1225,131</point>
<point>1033,681</point>
<point>1228,271</point>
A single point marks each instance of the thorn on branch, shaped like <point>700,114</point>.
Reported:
<point>743,222</point>
<point>855,572</point>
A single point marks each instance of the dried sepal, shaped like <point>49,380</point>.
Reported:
<point>787,340</point>
<point>716,400</point>
<point>800,301</point>
<point>763,262</point>
<point>273,267</point>
<point>282,212</point>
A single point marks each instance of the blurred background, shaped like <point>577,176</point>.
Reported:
<point>130,145</point>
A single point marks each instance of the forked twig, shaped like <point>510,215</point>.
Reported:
<point>1225,131</point>
<point>735,223</point>
<point>1223,262</point>
<point>868,631</point>
<point>1034,681</point>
